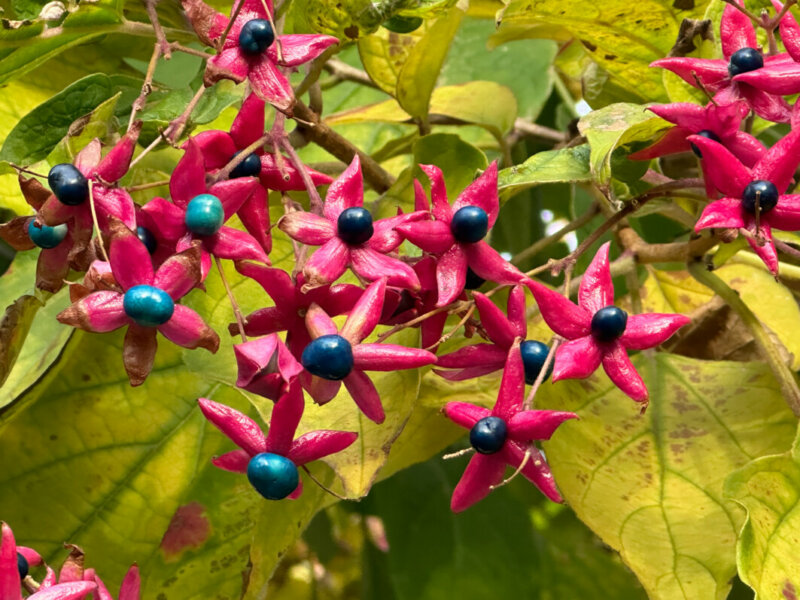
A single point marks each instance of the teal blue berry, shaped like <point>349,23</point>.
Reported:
<point>272,475</point>
<point>148,306</point>
<point>44,236</point>
<point>204,215</point>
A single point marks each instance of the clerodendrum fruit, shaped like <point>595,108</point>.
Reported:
<point>204,215</point>
<point>329,357</point>
<point>354,225</point>
<point>44,236</point>
<point>744,61</point>
<point>534,354</point>
<point>609,323</point>
<point>488,435</point>
<point>22,566</point>
<point>470,224</point>
<point>249,167</point>
<point>473,281</point>
<point>148,306</point>
<point>272,475</point>
<point>68,184</point>
<point>147,238</point>
<point>710,135</point>
<point>256,36</point>
<point>762,193</point>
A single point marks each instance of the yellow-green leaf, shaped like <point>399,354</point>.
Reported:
<point>651,485</point>
<point>551,166</point>
<point>769,489</point>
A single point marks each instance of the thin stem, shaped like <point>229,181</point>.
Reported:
<point>179,124</point>
<point>225,33</point>
<point>528,128</point>
<point>543,243</point>
<point>341,71</point>
<point>315,70</point>
<point>453,331</point>
<point>235,305</point>
<point>96,224</point>
<point>28,171</point>
<point>147,186</point>
<point>513,476</point>
<point>240,157</point>
<point>786,248</point>
<point>147,86</point>
<point>769,351</point>
<point>743,10</point>
<point>161,38</point>
<point>322,485</point>
<point>416,321</point>
<point>459,453</point>
<point>187,50</point>
<point>313,193</point>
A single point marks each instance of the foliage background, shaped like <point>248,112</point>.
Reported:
<point>655,504</point>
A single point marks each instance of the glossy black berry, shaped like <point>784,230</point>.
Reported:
<point>609,323</point>
<point>706,134</point>
<point>474,281</point>
<point>249,167</point>
<point>744,61</point>
<point>147,238</point>
<point>488,435</point>
<point>469,225</point>
<point>22,566</point>
<point>354,225</point>
<point>400,24</point>
<point>68,184</point>
<point>761,191</point>
<point>272,475</point>
<point>256,36</point>
<point>329,357</point>
<point>534,354</point>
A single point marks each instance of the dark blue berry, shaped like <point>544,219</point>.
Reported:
<point>147,238</point>
<point>706,134</point>
<point>204,215</point>
<point>488,435</point>
<point>354,225</point>
<point>329,357</point>
<point>256,36</point>
<point>44,236</point>
<point>22,566</point>
<point>533,356</point>
<point>148,306</point>
<point>470,224</point>
<point>744,61</point>
<point>274,476</point>
<point>474,281</point>
<point>249,167</point>
<point>609,323</point>
<point>763,192</point>
<point>68,184</point>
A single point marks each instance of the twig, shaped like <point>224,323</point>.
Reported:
<point>147,186</point>
<point>240,157</point>
<point>341,71</point>
<point>459,453</point>
<point>321,485</point>
<point>225,33</point>
<point>458,326</point>
<point>786,248</point>
<point>518,470</point>
<point>742,10</point>
<point>313,194</point>
<point>315,70</point>
<point>399,327</point>
<point>235,305</point>
<point>161,39</point>
<point>543,243</point>
<point>187,50</point>
<point>147,86</point>
<point>28,171</point>
<point>341,148</point>
<point>527,128</point>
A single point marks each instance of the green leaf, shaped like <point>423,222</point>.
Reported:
<point>651,486</point>
<point>769,489</point>
<point>347,20</point>
<point>614,126</point>
<point>482,103</point>
<point>407,65</point>
<point>469,60</point>
<point>552,166</point>
<point>622,38</point>
<point>435,554</point>
<point>41,129</point>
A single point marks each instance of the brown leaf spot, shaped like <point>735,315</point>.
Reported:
<point>189,528</point>
<point>789,591</point>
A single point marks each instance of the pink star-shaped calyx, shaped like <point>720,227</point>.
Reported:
<point>598,332</point>
<point>145,304</point>
<point>167,220</point>
<point>266,366</point>
<point>713,121</point>
<point>129,590</point>
<point>348,237</point>
<point>280,440</point>
<point>334,357</point>
<point>291,304</point>
<point>261,66</point>
<point>502,331</point>
<point>754,199</point>
<point>458,248</point>
<point>502,436</point>
<point>719,76</point>
<point>10,584</point>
